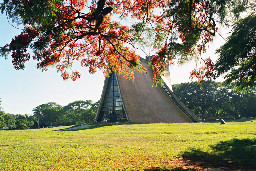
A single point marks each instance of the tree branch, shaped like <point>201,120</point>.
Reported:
<point>119,53</point>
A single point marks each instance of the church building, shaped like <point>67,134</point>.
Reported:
<point>139,102</point>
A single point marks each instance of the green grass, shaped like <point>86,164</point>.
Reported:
<point>131,147</point>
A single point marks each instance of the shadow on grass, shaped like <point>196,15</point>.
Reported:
<point>243,120</point>
<point>92,126</point>
<point>233,120</point>
<point>233,154</point>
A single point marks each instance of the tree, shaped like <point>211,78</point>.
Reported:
<point>205,101</point>
<point>10,121</point>
<point>244,104</point>
<point>23,122</point>
<point>238,55</point>
<point>6,120</point>
<point>2,120</point>
<point>213,100</point>
<point>47,114</point>
<point>93,110</point>
<point>95,32</point>
<point>78,112</point>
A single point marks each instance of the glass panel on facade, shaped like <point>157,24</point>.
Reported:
<point>112,108</point>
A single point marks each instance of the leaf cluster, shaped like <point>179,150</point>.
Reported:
<point>34,12</point>
<point>238,55</point>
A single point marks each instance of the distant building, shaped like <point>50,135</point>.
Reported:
<point>139,102</point>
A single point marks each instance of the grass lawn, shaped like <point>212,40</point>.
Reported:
<point>131,147</point>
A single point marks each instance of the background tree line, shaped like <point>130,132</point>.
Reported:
<point>213,100</point>
<point>51,114</point>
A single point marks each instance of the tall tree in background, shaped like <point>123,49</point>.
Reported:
<point>75,113</point>
<point>78,112</point>
<point>97,33</point>
<point>10,121</point>
<point>6,120</point>
<point>47,114</point>
<point>203,101</point>
<point>2,121</point>
<point>23,122</point>
<point>213,100</point>
<point>52,114</point>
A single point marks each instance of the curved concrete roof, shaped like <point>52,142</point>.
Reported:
<point>147,104</point>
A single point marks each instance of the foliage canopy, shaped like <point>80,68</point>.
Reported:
<point>238,54</point>
<point>102,34</point>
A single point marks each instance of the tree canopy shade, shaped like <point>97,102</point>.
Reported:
<point>97,34</point>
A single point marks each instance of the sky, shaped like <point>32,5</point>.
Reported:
<point>23,90</point>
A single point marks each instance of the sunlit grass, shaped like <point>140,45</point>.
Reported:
<point>124,147</point>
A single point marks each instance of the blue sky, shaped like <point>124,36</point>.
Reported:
<point>23,90</point>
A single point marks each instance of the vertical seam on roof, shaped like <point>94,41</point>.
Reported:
<point>126,114</point>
